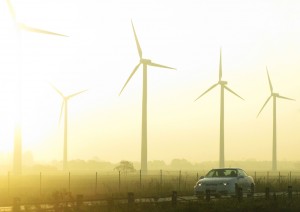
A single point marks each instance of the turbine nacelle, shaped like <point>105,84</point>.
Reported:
<point>222,82</point>
<point>145,61</point>
<point>275,94</point>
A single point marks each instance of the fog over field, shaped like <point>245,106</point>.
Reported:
<point>105,40</point>
<point>179,164</point>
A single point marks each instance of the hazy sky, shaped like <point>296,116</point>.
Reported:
<point>100,53</point>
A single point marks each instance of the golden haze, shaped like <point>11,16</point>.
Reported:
<point>100,54</point>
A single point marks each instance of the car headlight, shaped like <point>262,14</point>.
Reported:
<point>199,184</point>
<point>225,184</point>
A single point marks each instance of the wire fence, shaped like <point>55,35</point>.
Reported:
<point>49,185</point>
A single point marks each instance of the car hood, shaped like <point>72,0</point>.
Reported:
<point>217,179</point>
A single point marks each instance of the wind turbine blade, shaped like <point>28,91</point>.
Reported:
<point>137,42</point>
<point>11,9</point>
<point>160,66</point>
<point>270,83</point>
<point>58,91</point>
<point>207,91</point>
<point>75,94</point>
<point>220,65</point>
<point>283,97</point>
<point>264,105</point>
<point>233,92</point>
<point>132,73</point>
<point>61,110</point>
<point>36,30</point>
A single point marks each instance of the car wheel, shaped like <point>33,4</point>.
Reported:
<point>251,190</point>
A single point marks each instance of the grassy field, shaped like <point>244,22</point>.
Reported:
<point>279,203</point>
<point>221,205</point>
<point>52,186</point>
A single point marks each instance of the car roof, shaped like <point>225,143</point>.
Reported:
<point>226,168</point>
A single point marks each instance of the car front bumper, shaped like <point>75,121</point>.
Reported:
<point>214,190</point>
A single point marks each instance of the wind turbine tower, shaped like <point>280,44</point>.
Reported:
<point>17,161</point>
<point>145,63</point>
<point>64,108</point>
<point>223,86</point>
<point>274,96</point>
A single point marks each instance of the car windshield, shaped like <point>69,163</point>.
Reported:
<point>222,173</point>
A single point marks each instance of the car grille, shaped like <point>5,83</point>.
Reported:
<point>211,184</point>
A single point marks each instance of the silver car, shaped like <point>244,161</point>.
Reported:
<point>224,182</point>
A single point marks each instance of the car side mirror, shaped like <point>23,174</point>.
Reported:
<point>201,177</point>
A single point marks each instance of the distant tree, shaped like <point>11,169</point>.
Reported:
<point>125,167</point>
<point>181,164</point>
<point>157,165</point>
<point>44,167</point>
<point>89,165</point>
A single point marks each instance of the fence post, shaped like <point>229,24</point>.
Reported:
<point>79,201</point>
<point>174,198</point>
<point>8,178</point>
<point>240,194</point>
<point>16,204</point>
<point>267,177</point>
<point>186,176</point>
<point>130,197</point>
<point>179,179</point>
<point>69,182</point>
<point>160,181</point>
<point>140,179</point>
<point>110,203</point>
<point>119,181</point>
<point>252,191</point>
<point>267,193</point>
<point>279,177</point>
<point>40,183</point>
<point>96,184</point>
<point>290,177</point>
<point>255,176</point>
<point>274,196</point>
<point>207,195</point>
<point>290,192</point>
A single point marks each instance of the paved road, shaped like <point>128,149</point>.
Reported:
<point>105,202</point>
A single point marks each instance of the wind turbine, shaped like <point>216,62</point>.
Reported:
<point>17,162</point>
<point>274,95</point>
<point>223,85</point>
<point>26,27</point>
<point>145,63</point>
<point>64,108</point>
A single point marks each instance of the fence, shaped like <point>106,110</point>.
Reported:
<point>50,185</point>
<point>276,180</point>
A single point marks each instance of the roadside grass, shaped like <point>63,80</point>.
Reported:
<point>60,188</point>
<point>280,203</point>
